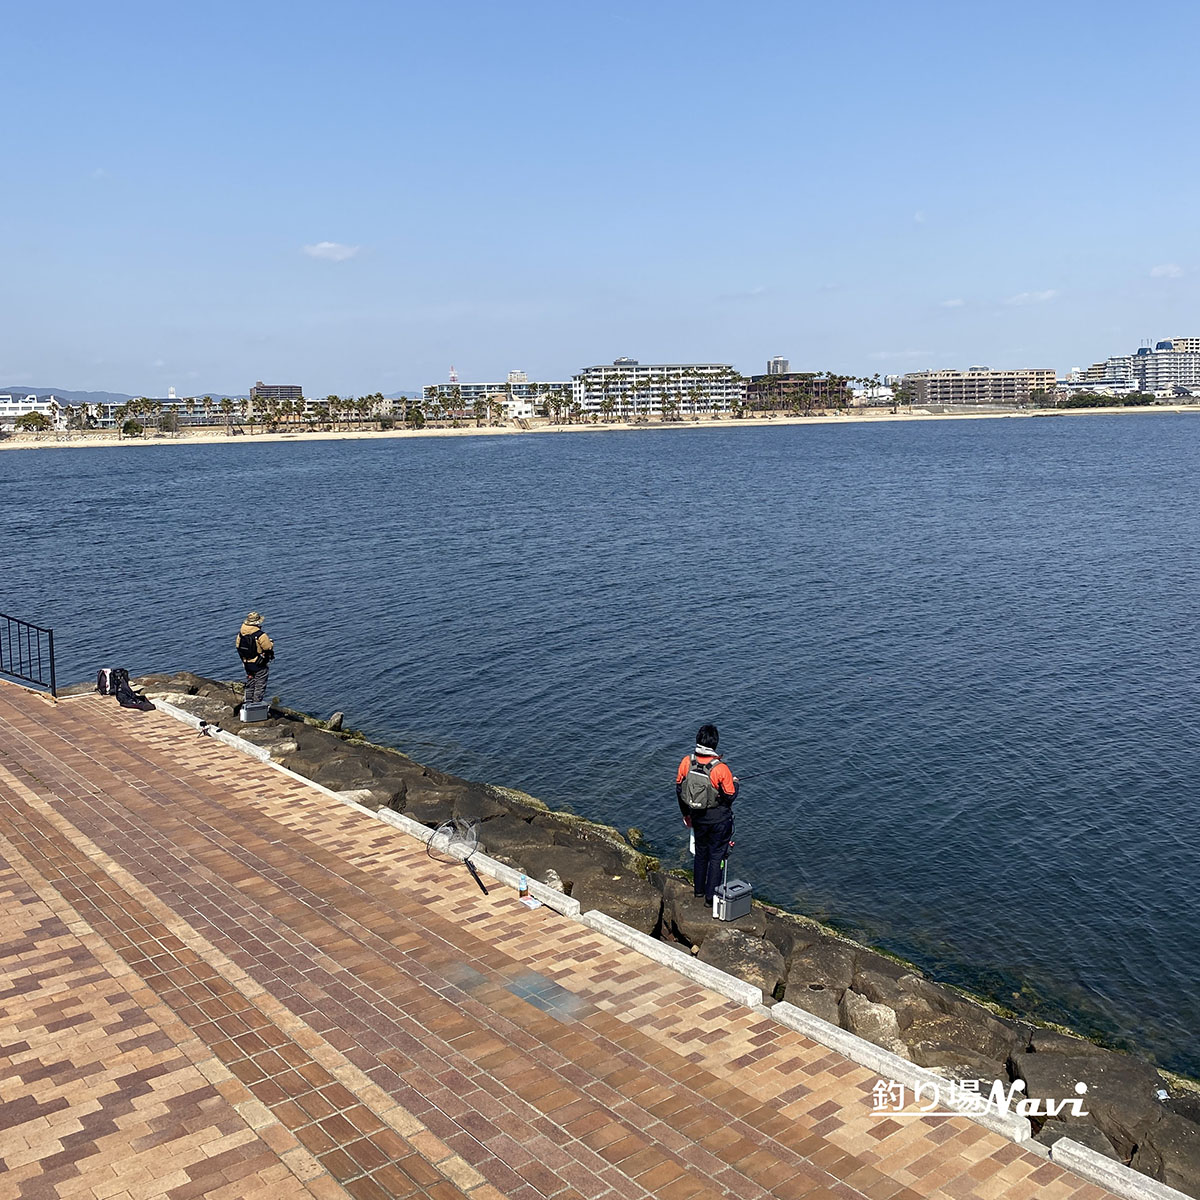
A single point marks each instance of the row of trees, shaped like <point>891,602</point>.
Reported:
<point>333,412</point>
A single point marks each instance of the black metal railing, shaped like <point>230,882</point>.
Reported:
<point>27,652</point>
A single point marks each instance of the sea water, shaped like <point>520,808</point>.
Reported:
<point>959,656</point>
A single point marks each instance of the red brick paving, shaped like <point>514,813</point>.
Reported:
<point>221,983</point>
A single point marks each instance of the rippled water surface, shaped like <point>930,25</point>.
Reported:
<point>965,650</point>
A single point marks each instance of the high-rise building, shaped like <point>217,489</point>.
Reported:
<point>1170,364</point>
<point>280,392</point>
<point>777,366</point>
<point>634,389</point>
<point>977,385</point>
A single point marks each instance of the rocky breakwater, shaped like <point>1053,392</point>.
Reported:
<point>1135,1114</point>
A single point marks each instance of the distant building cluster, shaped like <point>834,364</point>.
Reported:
<point>1170,369</point>
<point>624,389</point>
<point>627,389</point>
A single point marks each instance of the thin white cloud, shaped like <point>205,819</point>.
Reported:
<point>749,294</point>
<point>1166,271</point>
<point>957,302</point>
<point>889,354</point>
<point>1032,297</point>
<point>99,173</point>
<point>331,251</point>
<point>919,217</point>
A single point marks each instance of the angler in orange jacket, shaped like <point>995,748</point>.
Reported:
<point>706,789</point>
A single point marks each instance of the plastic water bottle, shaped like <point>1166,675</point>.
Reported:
<point>692,844</point>
<point>523,887</point>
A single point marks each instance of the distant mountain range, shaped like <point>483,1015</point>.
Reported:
<point>24,389</point>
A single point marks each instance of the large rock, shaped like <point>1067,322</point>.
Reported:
<point>788,934</point>
<point>574,866</point>
<point>816,999</point>
<point>180,681</point>
<point>1187,1105</point>
<point>604,842</point>
<point>479,804</point>
<point>431,803</point>
<point>628,898</point>
<point>272,736</point>
<point>509,836</point>
<point>1082,1132</point>
<point>1121,1091</point>
<point>908,995</point>
<point>1170,1152</point>
<point>340,774</point>
<point>827,965</point>
<point>690,919</point>
<point>874,1022</point>
<point>744,955</point>
<point>969,1045</point>
<point>1050,1041</point>
<point>373,798</point>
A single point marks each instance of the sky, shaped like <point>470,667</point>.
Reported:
<point>357,197</point>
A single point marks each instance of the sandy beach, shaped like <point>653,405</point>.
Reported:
<point>208,435</point>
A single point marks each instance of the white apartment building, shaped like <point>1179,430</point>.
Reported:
<point>520,396</point>
<point>1167,367</point>
<point>12,407</point>
<point>638,389</point>
<point>977,385</point>
<point>1172,363</point>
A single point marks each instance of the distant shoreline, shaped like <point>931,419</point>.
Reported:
<point>209,435</point>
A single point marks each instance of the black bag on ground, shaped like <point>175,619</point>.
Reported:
<point>103,677</point>
<point>123,690</point>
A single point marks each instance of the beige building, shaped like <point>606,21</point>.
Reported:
<point>976,385</point>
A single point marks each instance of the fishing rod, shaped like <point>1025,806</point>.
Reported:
<point>761,774</point>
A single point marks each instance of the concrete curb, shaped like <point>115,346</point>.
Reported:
<point>678,960</point>
<point>502,874</point>
<point>220,735</point>
<point>1107,1173</point>
<point>893,1067</point>
<point>551,898</point>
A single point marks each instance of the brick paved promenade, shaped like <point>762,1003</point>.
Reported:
<point>219,982</point>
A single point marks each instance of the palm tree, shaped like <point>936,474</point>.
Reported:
<point>606,408</point>
<point>227,412</point>
<point>737,382</point>
<point>207,405</point>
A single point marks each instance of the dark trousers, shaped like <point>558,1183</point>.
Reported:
<point>712,844</point>
<point>256,686</point>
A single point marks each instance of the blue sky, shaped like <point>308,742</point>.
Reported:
<point>355,197</point>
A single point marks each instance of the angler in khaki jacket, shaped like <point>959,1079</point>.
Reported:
<point>256,650</point>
